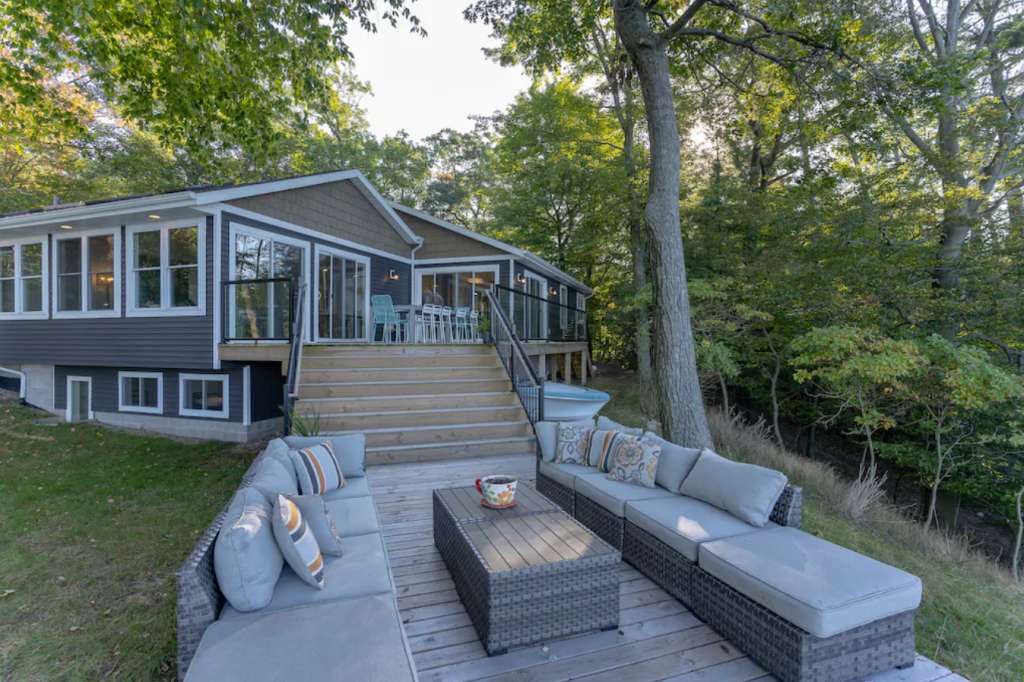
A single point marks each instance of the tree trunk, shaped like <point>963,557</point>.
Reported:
<point>639,245</point>
<point>934,495</point>
<point>775,402</point>
<point>682,409</point>
<point>1020,536</point>
<point>725,393</point>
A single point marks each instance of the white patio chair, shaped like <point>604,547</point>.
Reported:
<point>474,326</point>
<point>446,325</point>
<point>462,325</point>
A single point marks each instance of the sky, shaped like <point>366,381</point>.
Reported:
<point>422,84</point>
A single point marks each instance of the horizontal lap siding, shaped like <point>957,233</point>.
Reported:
<point>181,341</point>
<point>441,242</point>
<point>337,208</point>
<point>105,389</point>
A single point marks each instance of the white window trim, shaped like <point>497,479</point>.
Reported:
<point>121,407</point>
<point>544,294</point>
<point>165,309</point>
<point>67,396</point>
<point>563,298</point>
<point>367,309</point>
<point>234,229</point>
<point>225,410</point>
<point>84,274</point>
<point>39,314</point>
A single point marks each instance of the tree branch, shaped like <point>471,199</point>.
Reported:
<point>683,20</point>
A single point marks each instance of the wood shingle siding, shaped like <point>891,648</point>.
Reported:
<point>337,208</point>
<point>442,243</point>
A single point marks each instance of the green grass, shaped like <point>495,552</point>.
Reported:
<point>971,618</point>
<point>93,524</point>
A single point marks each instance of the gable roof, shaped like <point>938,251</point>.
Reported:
<point>536,261</point>
<point>200,195</point>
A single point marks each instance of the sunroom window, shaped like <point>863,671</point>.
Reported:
<point>166,270</point>
<point>22,269</point>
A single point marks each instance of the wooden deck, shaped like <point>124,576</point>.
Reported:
<point>658,638</point>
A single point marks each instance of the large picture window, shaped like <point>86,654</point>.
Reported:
<point>23,278</point>
<point>261,309</point>
<point>203,395</point>
<point>166,270</point>
<point>459,287</point>
<point>140,392</point>
<point>88,274</point>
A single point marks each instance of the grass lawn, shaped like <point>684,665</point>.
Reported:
<point>968,621</point>
<point>93,524</point>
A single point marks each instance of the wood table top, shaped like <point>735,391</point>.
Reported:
<point>465,503</point>
<point>528,541</point>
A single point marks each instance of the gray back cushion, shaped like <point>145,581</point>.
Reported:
<point>272,478</point>
<point>246,558</point>
<point>350,451</point>
<point>547,436</point>
<point>746,491</point>
<point>606,424</point>
<point>675,462</point>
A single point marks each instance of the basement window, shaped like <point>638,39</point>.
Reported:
<point>203,395</point>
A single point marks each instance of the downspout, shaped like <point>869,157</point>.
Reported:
<point>412,270</point>
<point>21,391</point>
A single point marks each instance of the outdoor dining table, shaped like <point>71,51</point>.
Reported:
<point>415,332</point>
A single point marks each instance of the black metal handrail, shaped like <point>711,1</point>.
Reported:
<point>228,321</point>
<point>291,383</point>
<point>525,380</point>
<point>572,328</point>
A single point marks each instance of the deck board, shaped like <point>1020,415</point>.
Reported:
<point>658,639</point>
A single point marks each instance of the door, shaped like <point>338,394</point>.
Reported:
<point>342,296</point>
<point>79,407</point>
<point>536,307</point>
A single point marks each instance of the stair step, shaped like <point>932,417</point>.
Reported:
<point>362,421</point>
<point>402,388</point>
<point>393,349</point>
<point>443,435</point>
<point>309,376</point>
<point>399,403</point>
<point>408,361</point>
<point>391,454</point>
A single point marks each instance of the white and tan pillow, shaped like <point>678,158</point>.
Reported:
<point>547,436</point>
<point>601,453</point>
<point>636,461</point>
<point>316,514</point>
<point>573,443</point>
<point>297,543</point>
<point>317,469</point>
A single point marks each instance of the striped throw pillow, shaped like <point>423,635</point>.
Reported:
<point>317,469</point>
<point>297,542</point>
<point>602,449</point>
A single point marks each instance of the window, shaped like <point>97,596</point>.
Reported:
<point>88,277</point>
<point>204,395</point>
<point>563,298</point>
<point>166,273</point>
<point>262,309</point>
<point>460,288</point>
<point>22,278</point>
<point>141,392</point>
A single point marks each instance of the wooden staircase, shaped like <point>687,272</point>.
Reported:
<point>415,403</point>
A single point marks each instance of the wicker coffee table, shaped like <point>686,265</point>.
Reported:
<point>525,574</point>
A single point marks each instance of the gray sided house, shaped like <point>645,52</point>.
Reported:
<point>170,312</point>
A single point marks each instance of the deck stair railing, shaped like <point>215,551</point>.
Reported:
<point>525,381</point>
<point>291,383</point>
<point>541,319</point>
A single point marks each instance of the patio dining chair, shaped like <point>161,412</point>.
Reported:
<point>462,325</point>
<point>474,326</point>
<point>388,320</point>
<point>428,322</point>
<point>446,325</point>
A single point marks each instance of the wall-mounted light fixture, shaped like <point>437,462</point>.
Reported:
<point>553,291</point>
<point>67,227</point>
<point>154,217</point>
<point>392,275</point>
<point>520,278</point>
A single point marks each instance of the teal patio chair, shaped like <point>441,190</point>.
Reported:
<point>388,320</point>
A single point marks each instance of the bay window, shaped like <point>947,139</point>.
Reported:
<point>166,270</point>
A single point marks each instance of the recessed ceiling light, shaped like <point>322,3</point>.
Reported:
<point>154,217</point>
<point>67,227</point>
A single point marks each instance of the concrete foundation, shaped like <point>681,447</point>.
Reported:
<point>203,429</point>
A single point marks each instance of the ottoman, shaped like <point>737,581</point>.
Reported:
<point>806,609</point>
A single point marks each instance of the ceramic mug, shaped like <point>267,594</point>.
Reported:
<point>499,490</point>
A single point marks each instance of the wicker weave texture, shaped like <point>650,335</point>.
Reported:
<point>599,520</point>
<point>659,562</point>
<point>556,492</point>
<point>523,606</point>
<point>793,654</point>
<point>788,511</point>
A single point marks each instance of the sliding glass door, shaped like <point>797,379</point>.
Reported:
<point>342,297</point>
<point>261,309</point>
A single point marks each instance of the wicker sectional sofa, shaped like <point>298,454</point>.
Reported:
<point>806,609</point>
<point>351,629</point>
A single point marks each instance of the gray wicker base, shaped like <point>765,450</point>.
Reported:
<point>600,521</point>
<point>793,654</point>
<point>659,562</point>
<point>556,492</point>
<point>528,605</point>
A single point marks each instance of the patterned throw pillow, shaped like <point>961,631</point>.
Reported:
<point>297,543</point>
<point>573,443</point>
<point>601,453</point>
<point>636,461</point>
<point>317,469</point>
<point>315,512</point>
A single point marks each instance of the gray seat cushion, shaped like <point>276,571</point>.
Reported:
<point>273,478</point>
<point>355,516</point>
<point>361,570</point>
<point>350,451</point>
<point>820,587</point>
<point>246,558</point>
<point>674,464</point>
<point>684,523</point>
<point>547,436</point>
<point>613,495</point>
<point>354,639</point>
<point>746,491</point>
<point>565,473</point>
<point>354,487</point>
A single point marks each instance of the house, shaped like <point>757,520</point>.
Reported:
<point>171,312</point>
